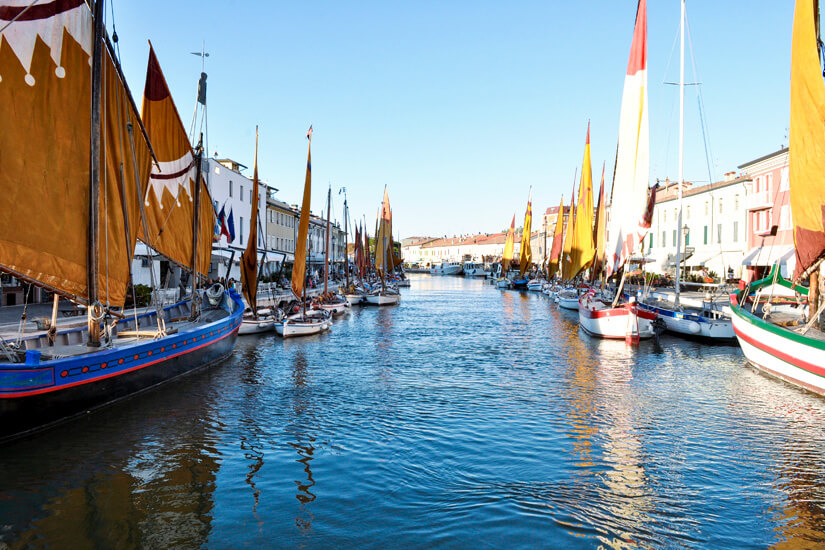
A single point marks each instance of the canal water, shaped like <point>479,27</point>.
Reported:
<point>465,417</point>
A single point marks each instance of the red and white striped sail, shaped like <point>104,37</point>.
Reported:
<point>630,184</point>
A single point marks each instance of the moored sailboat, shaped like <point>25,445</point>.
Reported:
<point>632,203</point>
<point>386,295</point>
<point>787,340</point>
<point>47,100</point>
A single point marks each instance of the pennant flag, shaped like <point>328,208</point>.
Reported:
<point>222,222</point>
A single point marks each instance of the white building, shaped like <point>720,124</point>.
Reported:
<point>713,232</point>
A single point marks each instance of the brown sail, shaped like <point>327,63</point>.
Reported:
<point>249,258</point>
<point>45,113</point>
<point>170,193</point>
<point>299,268</point>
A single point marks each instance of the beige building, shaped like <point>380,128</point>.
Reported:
<point>281,228</point>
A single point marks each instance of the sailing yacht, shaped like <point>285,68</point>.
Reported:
<point>525,253</point>
<point>82,245</point>
<point>385,260</point>
<point>706,321</point>
<point>781,339</point>
<point>632,204</point>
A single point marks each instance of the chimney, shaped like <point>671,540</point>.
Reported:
<point>730,176</point>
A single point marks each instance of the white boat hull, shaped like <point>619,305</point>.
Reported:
<point>383,299</point>
<point>354,299</point>
<point>689,323</point>
<point>625,322</point>
<point>296,325</point>
<point>256,326</point>
<point>336,309</point>
<point>781,352</point>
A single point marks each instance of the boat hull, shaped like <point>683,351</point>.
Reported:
<point>354,299</point>
<point>690,324</point>
<point>252,326</point>
<point>779,352</point>
<point>336,309</point>
<point>626,322</point>
<point>383,300</point>
<point>568,302</point>
<point>34,396</point>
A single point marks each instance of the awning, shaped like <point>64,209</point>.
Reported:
<point>764,256</point>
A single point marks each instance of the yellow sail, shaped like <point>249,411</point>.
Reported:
<point>566,260</point>
<point>249,258</point>
<point>45,113</point>
<point>582,247</point>
<point>507,255</point>
<point>807,137</point>
<point>558,242</point>
<point>599,231</point>
<point>170,194</point>
<point>526,254</point>
<point>299,268</point>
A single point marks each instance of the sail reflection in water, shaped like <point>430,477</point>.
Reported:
<point>432,424</point>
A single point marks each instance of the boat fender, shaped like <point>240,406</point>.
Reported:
<point>694,327</point>
<point>214,294</point>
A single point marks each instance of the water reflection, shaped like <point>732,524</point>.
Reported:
<point>301,422</point>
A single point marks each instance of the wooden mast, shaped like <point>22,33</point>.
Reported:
<point>195,230</point>
<point>327,242</point>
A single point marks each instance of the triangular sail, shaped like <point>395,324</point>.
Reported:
<point>299,267</point>
<point>170,193</point>
<point>558,242</point>
<point>582,247</point>
<point>383,244</point>
<point>807,138</point>
<point>249,258</point>
<point>630,183</point>
<point>526,254</point>
<point>45,114</point>
<point>567,247</point>
<point>507,255</point>
<point>599,230</point>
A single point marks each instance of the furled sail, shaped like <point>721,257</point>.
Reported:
<point>507,255</point>
<point>299,268</point>
<point>807,137</point>
<point>249,258</point>
<point>170,193</point>
<point>45,114</point>
<point>526,254</point>
<point>630,183</point>
<point>558,241</point>
<point>582,247</point>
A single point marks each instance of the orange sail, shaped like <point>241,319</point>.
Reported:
<point>45,113</point>
<point>599,230</point>
<point>249,258</point>
<point>526,254</point>
<point>299,268</point>
<point>383,245</point>
<point>558,241</point>
<point>171,190</point>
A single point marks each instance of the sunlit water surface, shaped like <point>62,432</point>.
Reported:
<point>465,417</point>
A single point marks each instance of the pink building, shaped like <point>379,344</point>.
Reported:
<point>769,222</point>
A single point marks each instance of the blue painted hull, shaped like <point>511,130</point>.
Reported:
<point>38,394</point>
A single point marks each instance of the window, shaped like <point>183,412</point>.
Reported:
<point>768,182</point>
<point>241,229</point>
<point>241,192</point>
<point>756,183</point>
<point>785,217</point>
<point>664,239</point>
<point>706,234</point>
<point>664,216</point>
<point>650,244</point>
<point>719,233</point>
<point>783,180</point>
<point>736,202</point>
<point>720,206</point>
<point>687,239</point>
<point>674,237</point>
<point>735,231</point>
<point>706,208</point>
<point>230,188</point>
<point>688,212</point>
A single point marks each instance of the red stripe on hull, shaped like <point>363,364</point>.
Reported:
<point>798,363</point>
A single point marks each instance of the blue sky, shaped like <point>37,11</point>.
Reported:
<point>459,107</point>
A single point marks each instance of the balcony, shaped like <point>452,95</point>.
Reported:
<point>759,200</point>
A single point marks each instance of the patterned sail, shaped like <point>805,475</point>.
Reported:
<point>170,193</point>
<point>807,138</point>
<point>45,114</point>
<point>507,256</point>
<point>525,253</point>
<point>558,242</point>
<point>582,247</point>
<point>630,183</point>
<point>249,258</point>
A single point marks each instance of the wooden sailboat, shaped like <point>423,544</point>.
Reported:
<point>568,298</point>
<point>631,208</point>
<point>255,321</point>
<point>787,341</point>
<point>555,252</point>
<point>48,101</point>
<point>525,253</point>
<point>334,303</point>
<point>386,295</point>
<point>304,322</point>
<point>355,292</point>
<point>706,322</point>
<point>507,256</point>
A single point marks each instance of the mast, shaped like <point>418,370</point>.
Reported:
<point>681,148</point>
<point>327,241</point>
<point>94,178</point>
<point>346,245</point>
<point>196,229</point>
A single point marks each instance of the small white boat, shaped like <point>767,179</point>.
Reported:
<point>568,299</point>
<point>707,321</point>
<point>626,321</point>
<point>447,268</point>
<point>263,323</point>
<point>304,324</point>
<point>337,308</point>
<point>354,299</point>
<point>472,269</point>
<point>535,285</point>
<point>383,299</point>
<point>504,282</point>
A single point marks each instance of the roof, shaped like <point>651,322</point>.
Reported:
<point>671,192</point>
<point>766,157</point>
